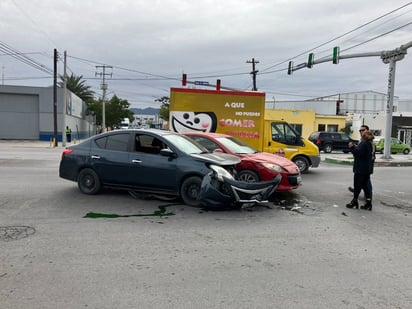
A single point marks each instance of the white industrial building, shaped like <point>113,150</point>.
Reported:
<point>28,113</point>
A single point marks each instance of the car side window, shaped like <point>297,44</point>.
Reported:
<point>336,137</point>
<point>284,133</point>
<point>148,144</point>
<point>345,138</point>
<point>116,142</point>
<point>278,133</point>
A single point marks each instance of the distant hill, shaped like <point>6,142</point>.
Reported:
<point>145,111</point>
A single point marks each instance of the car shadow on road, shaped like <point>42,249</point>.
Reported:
<point>112,203</point>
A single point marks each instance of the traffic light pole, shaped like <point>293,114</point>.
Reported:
<point>391,57</point>
<point>388,57</point>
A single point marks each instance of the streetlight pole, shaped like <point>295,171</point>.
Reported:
<point>388,57</point>
<point>391,57</point>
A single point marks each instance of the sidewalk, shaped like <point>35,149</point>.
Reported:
<point>33,144</point>
<point>396,160</point>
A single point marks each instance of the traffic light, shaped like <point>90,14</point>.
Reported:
<point>335,55</point>
<point>290,68</point>
<point>184,79</point>
<point>311,58</point>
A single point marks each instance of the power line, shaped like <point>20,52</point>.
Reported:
<point>23,58</point>
<point>378,36</point>
<point>28,16</point>
<point>336,38</point>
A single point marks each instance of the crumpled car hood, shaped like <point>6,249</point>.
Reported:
<point>217,158</point>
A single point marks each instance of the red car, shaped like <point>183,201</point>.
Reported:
<point>254,165</point>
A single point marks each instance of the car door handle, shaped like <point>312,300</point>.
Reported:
<point>95,157</point>
<point>136,161</point>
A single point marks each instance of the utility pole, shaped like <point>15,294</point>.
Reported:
<point>64,109</point>
<point>55,97</point>
<point>103,86</point>
<point>254,72</point>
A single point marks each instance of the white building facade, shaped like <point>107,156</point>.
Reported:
<point>368,107</point>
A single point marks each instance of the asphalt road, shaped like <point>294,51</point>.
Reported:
<point>62,249</point>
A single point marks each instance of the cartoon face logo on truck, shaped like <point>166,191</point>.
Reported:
<point>193,121</point>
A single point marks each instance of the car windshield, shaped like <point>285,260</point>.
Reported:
<point>235,145</point>
<point>185,144</point>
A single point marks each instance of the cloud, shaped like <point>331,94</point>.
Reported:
<point>207,40</point>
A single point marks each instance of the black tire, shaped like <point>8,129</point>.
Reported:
<point>88,181</point>
<point>248,176</point>
<point>405,151</point>
<point>302,163</point>
<point>190,189</point>
<point>328,148</point>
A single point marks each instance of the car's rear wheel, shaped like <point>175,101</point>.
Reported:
<point>190,190</point>
<point>248,176</point>
<point>302,163</point>
<point>88,181</point>
<point>327,148</point>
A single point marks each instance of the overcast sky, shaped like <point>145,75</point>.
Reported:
<point>149,44</point>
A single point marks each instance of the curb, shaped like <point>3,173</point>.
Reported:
<point>377,162</point>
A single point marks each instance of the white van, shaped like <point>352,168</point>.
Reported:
<point>125,123</point>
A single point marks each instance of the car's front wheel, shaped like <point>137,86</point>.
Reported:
<point>302,163</point>
<point>248,176</point>
<point>406,151</point>
<point>190,190</point>
<point>88,181</point>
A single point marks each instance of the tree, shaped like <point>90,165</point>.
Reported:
<point>77,85</point>
<point>164,108</point>
<point>116,110</point>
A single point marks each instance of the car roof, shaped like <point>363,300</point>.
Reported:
<point>209,134</point>
<point>155,131</point>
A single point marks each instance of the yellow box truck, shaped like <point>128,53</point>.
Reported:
<point>240,114</point>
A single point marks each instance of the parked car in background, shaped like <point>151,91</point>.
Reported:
<point>330,141</point>
<point>254,166</point>
<point>396,145</point>
<point>148,160</point>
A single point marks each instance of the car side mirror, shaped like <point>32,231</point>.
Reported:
<point>218,150</point>
<point>168,153</point>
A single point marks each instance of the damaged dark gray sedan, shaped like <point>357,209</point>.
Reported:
<point>151,161</point>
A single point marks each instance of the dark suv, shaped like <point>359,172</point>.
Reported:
<point>329,141</point>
